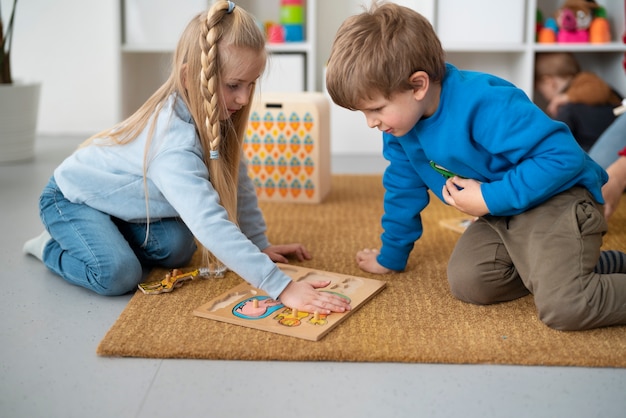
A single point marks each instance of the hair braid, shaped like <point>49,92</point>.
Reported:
<point>223,166</point>
<point>210,74</point>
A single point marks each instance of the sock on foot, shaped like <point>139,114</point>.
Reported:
<point>36,245</point>
<point>610,262</point>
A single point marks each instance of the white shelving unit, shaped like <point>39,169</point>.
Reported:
<point>280,73</point>
<point>515,61</point>
<point>151,29</point>
<point>496,37</point>
<point>492,36</point>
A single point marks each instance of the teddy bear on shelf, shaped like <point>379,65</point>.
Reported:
<point>573,20</point>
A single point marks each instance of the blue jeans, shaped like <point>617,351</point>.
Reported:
<point>102,253</point>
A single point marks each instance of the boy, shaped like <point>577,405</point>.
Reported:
<point>580,99</point>
<point>535,191</point>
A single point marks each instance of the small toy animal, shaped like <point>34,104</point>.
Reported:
<point>574,19</point>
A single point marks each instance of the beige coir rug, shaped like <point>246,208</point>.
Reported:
<point>414,319</point>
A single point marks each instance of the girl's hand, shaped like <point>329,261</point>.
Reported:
<point>366,260</point>
<point>279,253</point>
<point>303,297</point>
<point>465,195</point>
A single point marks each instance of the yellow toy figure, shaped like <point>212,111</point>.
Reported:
<point>176,278</point>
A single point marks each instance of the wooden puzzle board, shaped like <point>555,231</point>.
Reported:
<point>249,307</point>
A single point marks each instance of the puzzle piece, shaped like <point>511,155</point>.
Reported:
<point>176,278</point>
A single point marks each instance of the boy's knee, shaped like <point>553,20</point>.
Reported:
<point>466,293</point>
<point>486,286</point>
<point>563,315</point>
<point>465,286</point>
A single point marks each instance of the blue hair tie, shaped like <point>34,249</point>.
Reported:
<point>214,154</point>
<point>231,7</point>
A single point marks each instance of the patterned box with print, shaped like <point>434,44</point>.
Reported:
<point>287,145</point>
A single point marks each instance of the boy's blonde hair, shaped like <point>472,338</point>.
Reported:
<point>376,52</point>
<point>198,62</point>
<point>560,64</point>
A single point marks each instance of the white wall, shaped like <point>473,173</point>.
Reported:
<point>72,48</point>
<point>349,131</point>
<point>334,12</point>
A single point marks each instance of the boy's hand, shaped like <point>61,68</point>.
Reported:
<point>279,253</point>
<point>303,297</point>
<point>366,260</point>
<point>465,195</point>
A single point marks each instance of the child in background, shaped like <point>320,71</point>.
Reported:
<point>134,196</point>
<point>615,187</point>
<point>611,149</point>
<point>580,99</point>
<point>536,192</point>
<point>613,139</point>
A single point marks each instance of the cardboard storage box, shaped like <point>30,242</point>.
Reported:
<point>287,146</point>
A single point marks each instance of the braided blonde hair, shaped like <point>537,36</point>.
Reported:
<point>198,58</point>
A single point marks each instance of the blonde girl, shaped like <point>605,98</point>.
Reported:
<point>142,193</point>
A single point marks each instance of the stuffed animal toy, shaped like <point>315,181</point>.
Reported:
<point>547,34</point>
<point>574,19</point>
<point>600,29</point>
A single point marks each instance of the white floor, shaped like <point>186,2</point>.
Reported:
<point>50,330</point>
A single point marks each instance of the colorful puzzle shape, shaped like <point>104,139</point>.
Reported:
<point>249,307</point>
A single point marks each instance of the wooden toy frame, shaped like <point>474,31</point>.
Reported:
<point>246,306</point>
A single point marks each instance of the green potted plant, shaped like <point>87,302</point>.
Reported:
<point>5,41</point>
<point>19,101</point>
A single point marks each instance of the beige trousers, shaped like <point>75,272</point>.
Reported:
<point>549,251</point>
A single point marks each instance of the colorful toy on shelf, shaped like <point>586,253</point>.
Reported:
<point>538,24</point>
<point>600,29</point>
<point>292,20</point>
<point>577,21</point>
<point>547,33</point>
<point>574,19</point>
<point>275,33</point>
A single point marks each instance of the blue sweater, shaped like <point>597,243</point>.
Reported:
<point>484,129</point>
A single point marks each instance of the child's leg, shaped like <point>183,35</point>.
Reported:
<point>86,248</point>
<point>170,244</point>
<point>611,261</point>
<point>612,140</point>
<point>556,247</point>
<point>480,269</point>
